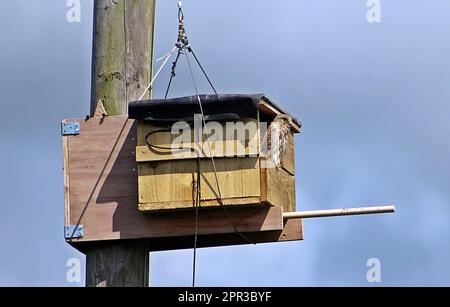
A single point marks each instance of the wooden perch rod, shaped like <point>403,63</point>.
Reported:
<point>339,212</point>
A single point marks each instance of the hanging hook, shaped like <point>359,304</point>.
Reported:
<point>180,12</point>
<point>183,42</point>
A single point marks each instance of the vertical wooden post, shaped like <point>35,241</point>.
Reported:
<point>121,70</point>
<point>122,52</point>
<point>117,263</point>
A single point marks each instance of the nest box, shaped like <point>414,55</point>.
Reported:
<point>250,139</point>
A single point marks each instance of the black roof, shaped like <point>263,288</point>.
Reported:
<point>215,107</point>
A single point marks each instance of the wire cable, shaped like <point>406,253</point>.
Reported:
<point>167,57</point>
<point>203,70</point>
<point>197,210</point>
<point>219,191</point>
<point>174,72</point>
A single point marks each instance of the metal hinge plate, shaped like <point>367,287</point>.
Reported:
<point>74,232</point>
<point>70,128</point>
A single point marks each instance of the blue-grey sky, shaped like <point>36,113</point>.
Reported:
<point>374,99</point>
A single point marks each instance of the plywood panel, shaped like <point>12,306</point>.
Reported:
<point>66,180</point>
<point>293,231</point>
<point>150,208</point>
<point>288,157</point>
<point>278,188</point>
<point>102,193</point>
<point>174,181</point>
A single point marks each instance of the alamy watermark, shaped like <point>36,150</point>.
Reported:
<point>73,274</point>
<point>246,138</point>
<point>374,272</point>
<point>374,12</point>
<point>73,14</point>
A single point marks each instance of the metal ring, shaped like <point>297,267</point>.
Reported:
<point>181,16</point>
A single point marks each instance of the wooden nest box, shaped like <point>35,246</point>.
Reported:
<point>250,138</point>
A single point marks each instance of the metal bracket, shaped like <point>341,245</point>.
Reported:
<point>70,128</point>
<point>74,232</point>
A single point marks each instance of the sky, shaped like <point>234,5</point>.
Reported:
<point>374,99</point>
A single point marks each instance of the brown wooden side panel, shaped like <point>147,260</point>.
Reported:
<point>172,182</point>
<point>288,157</point>
<point>66,180</point>
<point>102,192</point>
<point>293,231</point>
<point>278,188</point>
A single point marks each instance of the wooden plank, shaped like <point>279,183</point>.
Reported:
<point>117,264</point>
<point>103,194</point>
<point>109,73</point>
<point>100,111</point>
<point>174,181</point>
<point>178,224</point>
<point>139,33</point>
<point>178,205</point>
<point>170,185</point>
<point>263,180</point>
<point>279,188</point>
<point>66,181</point>
<point>182,144</point>
<point>288,157</point>
<point>292,231</point>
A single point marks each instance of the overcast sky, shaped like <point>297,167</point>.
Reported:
<point>373,97</point>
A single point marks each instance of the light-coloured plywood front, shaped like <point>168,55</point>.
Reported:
<point>181,141</point>
<point>168,156</point>
<point>174,181</point>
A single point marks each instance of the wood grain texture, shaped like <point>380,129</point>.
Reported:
<point>174,181</point>
<point>117,264</point>
<point>292,231</point>
<point>182,144</point>
<point>104,194</point>
<point>288,157</point>
<point>122,53</point>
<point>100,110</point>
<point>139,34</point>
<point>186,205</point>
<point>108,65</point>
<point>167,179</point>
<point>278,188</point>
<point>65,143</point>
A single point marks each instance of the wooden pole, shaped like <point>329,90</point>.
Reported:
<point>339,212</point>
<point>121,69</point>
<point>122,52</point>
